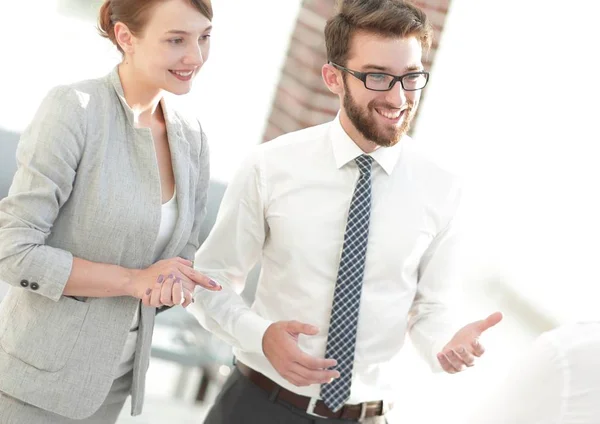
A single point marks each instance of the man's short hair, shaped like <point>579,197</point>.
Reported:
<point>387,18</point>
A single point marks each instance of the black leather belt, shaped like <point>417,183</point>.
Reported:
<point>312,406</point>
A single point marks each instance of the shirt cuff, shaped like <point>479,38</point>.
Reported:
<point>249,331</point>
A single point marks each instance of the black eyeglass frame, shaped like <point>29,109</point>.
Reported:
<point>396,78</point>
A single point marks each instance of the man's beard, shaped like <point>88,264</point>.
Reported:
<point>364,121</point>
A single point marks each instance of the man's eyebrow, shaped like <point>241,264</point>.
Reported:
<point>414,68</point>
<point>376,68</point>
<point>385,69</point>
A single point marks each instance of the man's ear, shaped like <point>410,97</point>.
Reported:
<point>332,78</point>
<point>124,37</point>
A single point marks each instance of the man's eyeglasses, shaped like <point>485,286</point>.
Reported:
<point>380,81</point>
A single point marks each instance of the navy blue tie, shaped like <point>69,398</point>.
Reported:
<point>341,339</point>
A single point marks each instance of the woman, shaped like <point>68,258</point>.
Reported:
<point>102,221</point>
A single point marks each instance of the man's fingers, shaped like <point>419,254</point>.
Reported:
<point>450,364</point>
<point>478,349</point>
<point>455,360</point>
<point>489,322</point>
<point>313,363</point>
<point>314,376</point>
<point>446,364</point>
<point>296,327</point>
<point>296,379</point>
<point>200,279</point>
<point>465,356</point>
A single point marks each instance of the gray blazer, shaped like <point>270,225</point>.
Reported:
<point>87,185</point>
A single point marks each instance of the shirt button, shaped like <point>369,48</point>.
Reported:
<point>35,286</point>
<point>24,283</point>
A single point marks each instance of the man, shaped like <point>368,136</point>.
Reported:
<point>556,382</point>
<point>353,227</point>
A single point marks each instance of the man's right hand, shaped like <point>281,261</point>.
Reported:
<point>280,345</point>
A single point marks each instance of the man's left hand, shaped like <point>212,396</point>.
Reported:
<point>465,346</point>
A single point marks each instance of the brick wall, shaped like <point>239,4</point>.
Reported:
<point>302,99</point>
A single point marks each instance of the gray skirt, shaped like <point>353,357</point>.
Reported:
<point>13,411</point>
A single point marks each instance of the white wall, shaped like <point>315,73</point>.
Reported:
<point>237,87</point>
<point>513,101</point>
<point>528,154</point>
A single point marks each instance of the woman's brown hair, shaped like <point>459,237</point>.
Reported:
<point>135,14</point>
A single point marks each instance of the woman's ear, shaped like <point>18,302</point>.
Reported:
<point>124,37</point>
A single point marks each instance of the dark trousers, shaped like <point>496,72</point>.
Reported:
<point>242,402</point>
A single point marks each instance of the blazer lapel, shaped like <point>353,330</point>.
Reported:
<point>180,158</point>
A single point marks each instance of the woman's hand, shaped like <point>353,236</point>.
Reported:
<point>168,282</point>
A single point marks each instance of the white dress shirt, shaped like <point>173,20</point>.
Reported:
<point>287,207</point>
<point>556,382</point>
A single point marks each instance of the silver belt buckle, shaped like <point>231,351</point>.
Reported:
<point>310,410</point>
<point>363,411</point>
<point>385,407</point>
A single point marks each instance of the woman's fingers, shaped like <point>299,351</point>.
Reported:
<point>177,292</point>
<point>146,297</point>
<point>175,284</point>
<point>161,292</point>
<point>188,298</point>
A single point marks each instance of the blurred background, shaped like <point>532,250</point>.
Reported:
<point>512,105</point>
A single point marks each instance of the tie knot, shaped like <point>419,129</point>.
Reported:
<point>364,164</point>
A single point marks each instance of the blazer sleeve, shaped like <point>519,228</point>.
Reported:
<point>48,154</point>
<point>193,244</point>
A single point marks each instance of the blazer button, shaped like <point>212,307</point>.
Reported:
<point>35,286</point>
<point>24,283</point>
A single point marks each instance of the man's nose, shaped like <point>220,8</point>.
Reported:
<point>396,95</point>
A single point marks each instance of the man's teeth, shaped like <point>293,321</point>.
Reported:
<point>183,74</point>
<point>389,114</point>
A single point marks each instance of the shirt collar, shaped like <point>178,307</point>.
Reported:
<point>346,150</point>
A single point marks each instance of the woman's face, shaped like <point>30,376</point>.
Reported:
<point>172,48</point>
